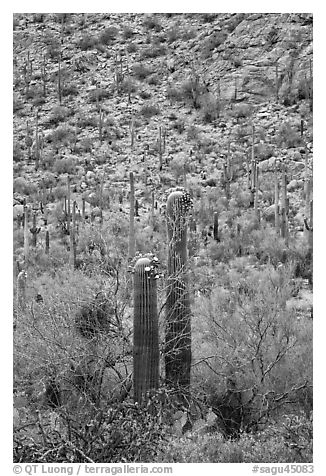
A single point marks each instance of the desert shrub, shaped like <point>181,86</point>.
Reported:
<point>87,120</point>
<point>209,17</point>
<point>98,94</point>
<point>132,48</point>
<point>61,136</point>
<point>127,32</point>
<point>212,42</point>
<point>18,104</point>
<point>58,114</point>
<point>145,94</point>
<point>86,144</point>
<point>304,89</point>
<point>254,330</point>
<point>125,433</point>
<point>87,42</point>
<point>174,94</point>
<point>69,90</point>
<point>53,48</point>
<point>128,85</point>
<point>64,166</point>
<point>179,125</point>
<point>18,154</point>
<point>153,80</point>
<point>193,133</point>
<point>141,71</point>
<point>264,151</point>
<point>241,111</point>
<point>274,445</point>
<point>210,108</point>
<point>35,93</point>
<point>151,22</point>
<point>49,179</point>
<point>149,111</point>
<point>153,52</point>
<point>108,35</point>
<point>23,187</point>
<point>178,165</point>
<point>173,34</point>
<point>287,137</point>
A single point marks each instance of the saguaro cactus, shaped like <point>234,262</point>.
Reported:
<point>146,341</point>
<point>276,200</point>
<point>26,237</point>
<point>215,227</point>
<point>285,206</point>
<point>47,242</point>
<point>35,230</point>
<point>21,289</point>
<point>178,323</point>
<point>132,242</point>
<point>73,246</point>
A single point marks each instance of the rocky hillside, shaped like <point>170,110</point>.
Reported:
<point>245,68</point>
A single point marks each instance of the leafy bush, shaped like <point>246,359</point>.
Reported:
<point>153,52</point>
<point>259,350</point>
<point>64,166</point>
<point>18,154</point>
<point>151,22</point>
<point>98,94</point>
<point>212,42</point>
<point>69,90</point>
<point>127,32</point>
<point>209,17</point>
<point>132,48</point>
<point>210,108</point>
<point>140,71</point>
<point>278,443</point>
<point>241,111</point>
<point>23,187</point>
<point>174,94</point>
<point>87,42</point>
<point>108,35</point>
<point>287,137</point>
<point>149,111</point>
<point>61,136</point>
<point>58,114</point>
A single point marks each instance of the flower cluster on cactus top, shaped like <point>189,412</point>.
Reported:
<point>153,264</point>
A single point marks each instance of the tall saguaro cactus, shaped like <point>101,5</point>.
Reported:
<point>132,243</point>
<point>178,322</point>
<point>276,200</point>
<point>285,207</point>
<point>26,236</point>
<point>146,340</point>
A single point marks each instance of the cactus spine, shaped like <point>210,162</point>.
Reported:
<point>146,340</point>
<point>178,324</point>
